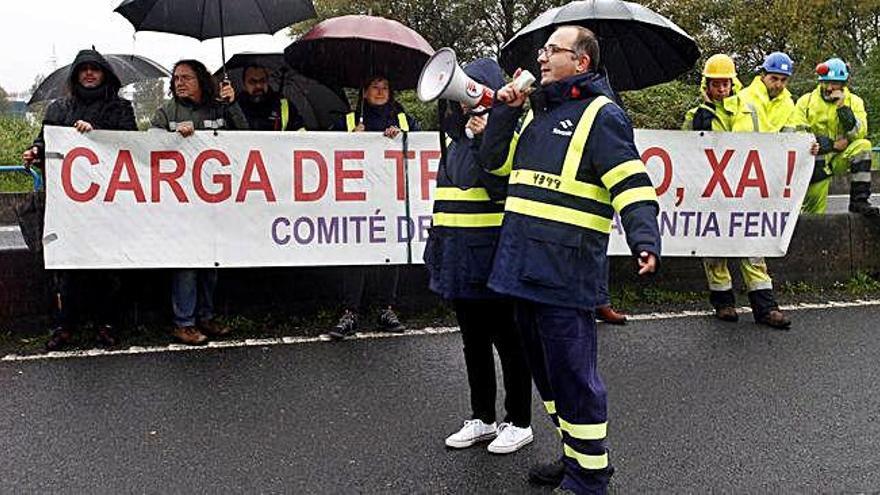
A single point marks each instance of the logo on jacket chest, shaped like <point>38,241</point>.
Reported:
<point>563,128</point>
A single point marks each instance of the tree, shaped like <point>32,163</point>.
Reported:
<point>148,97</point>
<point>38,109</point>
<point>5,106</point>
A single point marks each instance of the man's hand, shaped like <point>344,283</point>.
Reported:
<point>814,148</point>
<point>227,93</point>
<point>392,132</point>
<point>360,128</point>
<point>83,126</point>
<point>477,124</point>
<point>512,96</point>
<point>841,144</point>
<point>30,156</point>
<point>186,129</point>
<point>647,263</point>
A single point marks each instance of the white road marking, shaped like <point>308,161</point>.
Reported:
<point>223,344</point>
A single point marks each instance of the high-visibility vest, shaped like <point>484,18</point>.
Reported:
<point>285,115</point>
<point>559,196</point>
<point>402,122</point>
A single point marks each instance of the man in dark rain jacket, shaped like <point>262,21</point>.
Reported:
<point>92,102</point>
<point>265,108</point>
<point>575,164</point>
<point>468,209</point>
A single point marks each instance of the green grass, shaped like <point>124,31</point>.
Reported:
<point>16,134</point>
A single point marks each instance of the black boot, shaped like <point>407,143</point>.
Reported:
<point>548,473</point>
<point>859,193</point>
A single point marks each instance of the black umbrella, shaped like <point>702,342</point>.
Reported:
<point>638,47</point>
<point>319,105</point>
<point>205,19</point>
<point>128,68</point>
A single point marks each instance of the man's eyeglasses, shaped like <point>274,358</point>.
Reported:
<point>551,50</point>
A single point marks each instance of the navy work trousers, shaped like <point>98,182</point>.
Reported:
<point>561,348</point>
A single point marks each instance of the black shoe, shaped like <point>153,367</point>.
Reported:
<point>106,336</point>
<point>345,327</point>
<point>58,340</point>
<point>390,322</point>
<point>548,473</point>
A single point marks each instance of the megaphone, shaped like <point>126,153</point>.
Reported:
<point>442,77</point>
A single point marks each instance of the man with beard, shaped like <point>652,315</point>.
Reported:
<point>197,104</point>
<point>92,103</point>
<point>265,109</point>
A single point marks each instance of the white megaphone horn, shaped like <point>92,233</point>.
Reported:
<point>443,78</point>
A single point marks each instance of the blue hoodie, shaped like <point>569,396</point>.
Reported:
<point>459,258</point>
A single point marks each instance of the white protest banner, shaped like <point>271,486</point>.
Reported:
<point>724,194</point>
<point>238,199</point>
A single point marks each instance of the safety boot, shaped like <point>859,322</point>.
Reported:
<point>859,194</point>
<point>726,313</point>
<point>775,319</point>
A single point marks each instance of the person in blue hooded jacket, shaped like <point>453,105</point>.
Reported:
<point>468,209</point>
<point>377,111</point>
<point>575,164</point>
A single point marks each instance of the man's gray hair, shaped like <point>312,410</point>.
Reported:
<point>586,43</point>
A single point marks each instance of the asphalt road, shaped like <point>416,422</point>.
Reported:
<point>696,406</point>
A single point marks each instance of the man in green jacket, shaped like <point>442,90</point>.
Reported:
<point>198,104</point>
<point>838,119</point>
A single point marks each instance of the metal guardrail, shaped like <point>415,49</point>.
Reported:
<point>38,179</point>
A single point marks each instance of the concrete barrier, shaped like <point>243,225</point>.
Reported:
<point>824,249</point>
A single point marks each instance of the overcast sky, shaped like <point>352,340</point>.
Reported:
<point>31,29</point>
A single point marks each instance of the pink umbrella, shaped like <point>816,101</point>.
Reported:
<point>345,51</point>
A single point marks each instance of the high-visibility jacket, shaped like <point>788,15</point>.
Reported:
<point>575,164</point>
<point>351,121</point>
<point>719,111</point>
<point>754,111</point>
<point>823,116</point>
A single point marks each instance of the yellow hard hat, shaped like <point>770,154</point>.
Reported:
<point>719,66</point>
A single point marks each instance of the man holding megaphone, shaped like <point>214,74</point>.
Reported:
<point>574,165</point>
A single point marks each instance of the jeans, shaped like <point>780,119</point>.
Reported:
<point>192,296</point>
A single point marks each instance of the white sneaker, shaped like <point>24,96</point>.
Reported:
<point>473,431</point>
<point>510,439</point>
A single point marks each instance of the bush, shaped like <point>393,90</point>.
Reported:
<point>16,134</point>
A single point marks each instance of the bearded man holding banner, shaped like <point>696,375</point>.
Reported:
<point>575,164</point>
